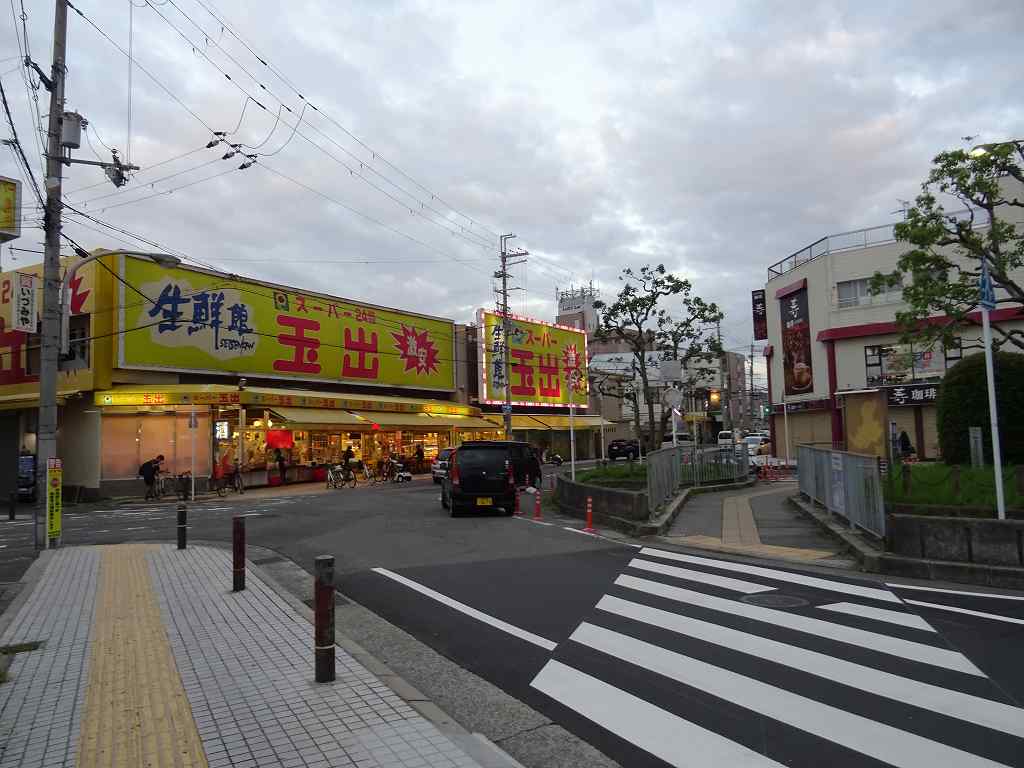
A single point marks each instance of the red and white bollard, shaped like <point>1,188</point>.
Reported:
<point>536,505</point>
<point>590,516</point>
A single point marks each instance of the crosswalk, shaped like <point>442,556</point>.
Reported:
<point>697,661</point>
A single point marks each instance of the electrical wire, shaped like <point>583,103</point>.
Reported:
<point>172,190</point>
<point>31,88</point>
<point>152,183</point>
<point>364,145</point>
<point>137,173</point>
<point>468,235</point>
<point>19,151</point>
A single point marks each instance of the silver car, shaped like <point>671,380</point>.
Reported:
<point>439,467</point>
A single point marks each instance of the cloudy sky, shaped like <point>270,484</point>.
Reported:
<point>716,138</point>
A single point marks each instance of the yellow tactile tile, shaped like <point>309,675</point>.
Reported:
<point>136,711</point>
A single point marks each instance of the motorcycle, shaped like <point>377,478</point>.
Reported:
<point>554,458</point>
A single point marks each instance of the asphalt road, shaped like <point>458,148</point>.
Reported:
<point>655,658</point>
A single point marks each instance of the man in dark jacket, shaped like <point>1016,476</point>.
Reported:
<point>149,471</point>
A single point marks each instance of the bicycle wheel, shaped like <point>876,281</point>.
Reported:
<point>351,479</point>
<point>220,486</point>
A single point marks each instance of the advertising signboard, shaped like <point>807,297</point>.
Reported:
<point>10,209</point>
<point>24,310</point>
<point>54,497</point>
<point>209,322</point>
<point>547,362</point>
<point>796,343</point>
<point>760,313</point>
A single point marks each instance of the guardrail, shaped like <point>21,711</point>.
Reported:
<point>671,469</point>
<point>846,484</point>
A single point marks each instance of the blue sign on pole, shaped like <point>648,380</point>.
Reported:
<point>987,298</point>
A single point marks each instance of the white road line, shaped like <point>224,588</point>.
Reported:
<point>138,528</point>
<point>982,614</point>
<point>676,741</point>
<point>578,530</point>
<point>504,626</point>
<point>724,582</point>
<point>974,709</point>
<point>883,742</point>
<point>105,530</point>
<point>880,614</point>
<point>894,646</point>
<point>954,591</point>
<point>771,573</point>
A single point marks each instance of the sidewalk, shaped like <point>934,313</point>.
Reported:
<point>758,521</point>
<point>148,659</point>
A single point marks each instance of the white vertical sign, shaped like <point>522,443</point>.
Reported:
<point>24,312</point>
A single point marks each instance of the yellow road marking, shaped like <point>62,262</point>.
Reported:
<point>136,711</point>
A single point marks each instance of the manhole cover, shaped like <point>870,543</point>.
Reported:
<point>771,600</point>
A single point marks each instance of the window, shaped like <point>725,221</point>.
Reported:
<point>853,293</point>
<point>78,343</point>
<point>903,363</point>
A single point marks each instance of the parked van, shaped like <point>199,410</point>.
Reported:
<point>725,439</point>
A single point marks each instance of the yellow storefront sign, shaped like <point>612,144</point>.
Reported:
<point>547,363</point>
<point>208,322</point>
<point>54,497</point>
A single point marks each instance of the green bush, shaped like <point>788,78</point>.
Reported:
<point>628,475</point>
<point>963,403</point>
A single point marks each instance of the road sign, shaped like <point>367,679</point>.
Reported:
<point>987,297</point>
<point>506,409</point>
<point>54,498</point>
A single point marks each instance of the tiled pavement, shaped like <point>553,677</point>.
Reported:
<point>243,660</point>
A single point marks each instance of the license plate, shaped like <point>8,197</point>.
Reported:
<point>484,501</point>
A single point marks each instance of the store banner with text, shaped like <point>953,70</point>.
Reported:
<point>796,343</point>
<point>212,323</point>
<point>760,311</point>
<point>547,363</point>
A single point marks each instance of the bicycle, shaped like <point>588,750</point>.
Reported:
<point>183,486</point>
<point>232,481</point>
<point>159,487</point>
<point>369,475</point>
<point>339,476</point>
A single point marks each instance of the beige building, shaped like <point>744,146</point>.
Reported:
<point>835,362</point>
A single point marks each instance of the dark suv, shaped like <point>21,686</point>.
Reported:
<point>484,474</point>
<point>628,448</point>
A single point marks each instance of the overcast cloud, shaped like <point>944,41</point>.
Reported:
<point>714,137</point>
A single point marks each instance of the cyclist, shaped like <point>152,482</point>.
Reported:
<point>149,471</point>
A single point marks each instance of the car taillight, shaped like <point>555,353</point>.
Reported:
<point>453,471</point>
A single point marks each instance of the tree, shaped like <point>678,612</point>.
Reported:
<point>637,317</point>
<point>947,251</point>
<point>962,404</point>
<point>690,341</point>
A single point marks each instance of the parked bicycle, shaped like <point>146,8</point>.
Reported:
<point>338,476</point>
<point>159,486</point>
<point>230,482</point>
<point>183,486</point>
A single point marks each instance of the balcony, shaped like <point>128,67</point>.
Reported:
<point>855,240</point>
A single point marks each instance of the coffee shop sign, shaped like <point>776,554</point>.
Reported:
<point>913,394</point>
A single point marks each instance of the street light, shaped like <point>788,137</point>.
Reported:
<point>980,150</point>
<point>165,260</point>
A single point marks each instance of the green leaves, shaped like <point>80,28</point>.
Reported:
<point>946,252</point>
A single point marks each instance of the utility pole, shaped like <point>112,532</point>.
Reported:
<point>506,324</point>
<point>750,390</point>
<point>46,441</point>
<point>723,383</point>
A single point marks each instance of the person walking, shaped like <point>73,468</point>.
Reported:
<point>419,457</point>
<point>905,447</point>
<point>149,470</point>
<point>279,458</point>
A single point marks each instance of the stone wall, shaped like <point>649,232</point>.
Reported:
<point>607,502</point>
<point>957,539</point>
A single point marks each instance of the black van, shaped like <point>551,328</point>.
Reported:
<point>484,474</point>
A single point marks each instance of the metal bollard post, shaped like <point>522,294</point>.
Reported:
<point>12,511</point>
<point>182,526</point>
<point>238,553</point>
<point>323,634</point>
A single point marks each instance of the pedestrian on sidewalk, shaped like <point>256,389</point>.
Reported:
<point>279,458</point>
<point>148,471</point>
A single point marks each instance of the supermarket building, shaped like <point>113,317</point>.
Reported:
<point>208,368</point>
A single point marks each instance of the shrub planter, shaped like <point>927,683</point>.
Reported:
<point>957,539</point>
<point>949,510</point>
<point>616,507</point>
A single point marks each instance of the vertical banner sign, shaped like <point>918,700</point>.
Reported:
<point>24,314</point>
<point>796,343</point>
<point>759,307</point>
<point>54,499</point>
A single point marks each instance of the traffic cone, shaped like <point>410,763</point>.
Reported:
<point>536,505</point>
<point>590,516</point>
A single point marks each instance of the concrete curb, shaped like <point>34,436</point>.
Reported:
<point>29,580</point>
<point>476,745</point>
<point>867,554</point>
<point>664,521</point>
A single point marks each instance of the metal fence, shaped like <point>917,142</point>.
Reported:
<point>847,484</point>
<point>671,469</point>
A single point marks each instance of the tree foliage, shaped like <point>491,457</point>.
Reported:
<point>638,316</point>
<point>947,251</point>
<point>962,404</point>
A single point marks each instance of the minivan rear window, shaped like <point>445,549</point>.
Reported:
<point>481,459</point>
<point>725,435</point>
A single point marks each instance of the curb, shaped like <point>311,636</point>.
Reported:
<point>476,745</point>
<point>29,580</point>
<point>868,555</point>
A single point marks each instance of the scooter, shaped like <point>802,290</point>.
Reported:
<point>399,473</point>
<point>554,458</point>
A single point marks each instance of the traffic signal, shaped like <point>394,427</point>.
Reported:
<point>716,397</point>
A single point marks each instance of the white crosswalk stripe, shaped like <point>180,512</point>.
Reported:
<point>695,678</point>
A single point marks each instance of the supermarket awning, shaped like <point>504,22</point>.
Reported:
<point>27,401</point>
<point>308,418</point>
<point>562,422</point>
<point>463,422</point>
<point>395,420</point>
<point>520,421</point>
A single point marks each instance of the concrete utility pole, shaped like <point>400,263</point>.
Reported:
<point>46,441</point>
<point>506,325</point>
<point>723,383</point>
<point>750,392</point>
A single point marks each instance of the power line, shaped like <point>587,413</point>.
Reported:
<point>373,152</point>
<point>151,183</point>
<point>31,88</point>
<point>470,236</point>
<point>137,173</point>
<point>172,190</point>
<point>19,151</point>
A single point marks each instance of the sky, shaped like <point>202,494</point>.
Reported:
<point>713,138</point>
